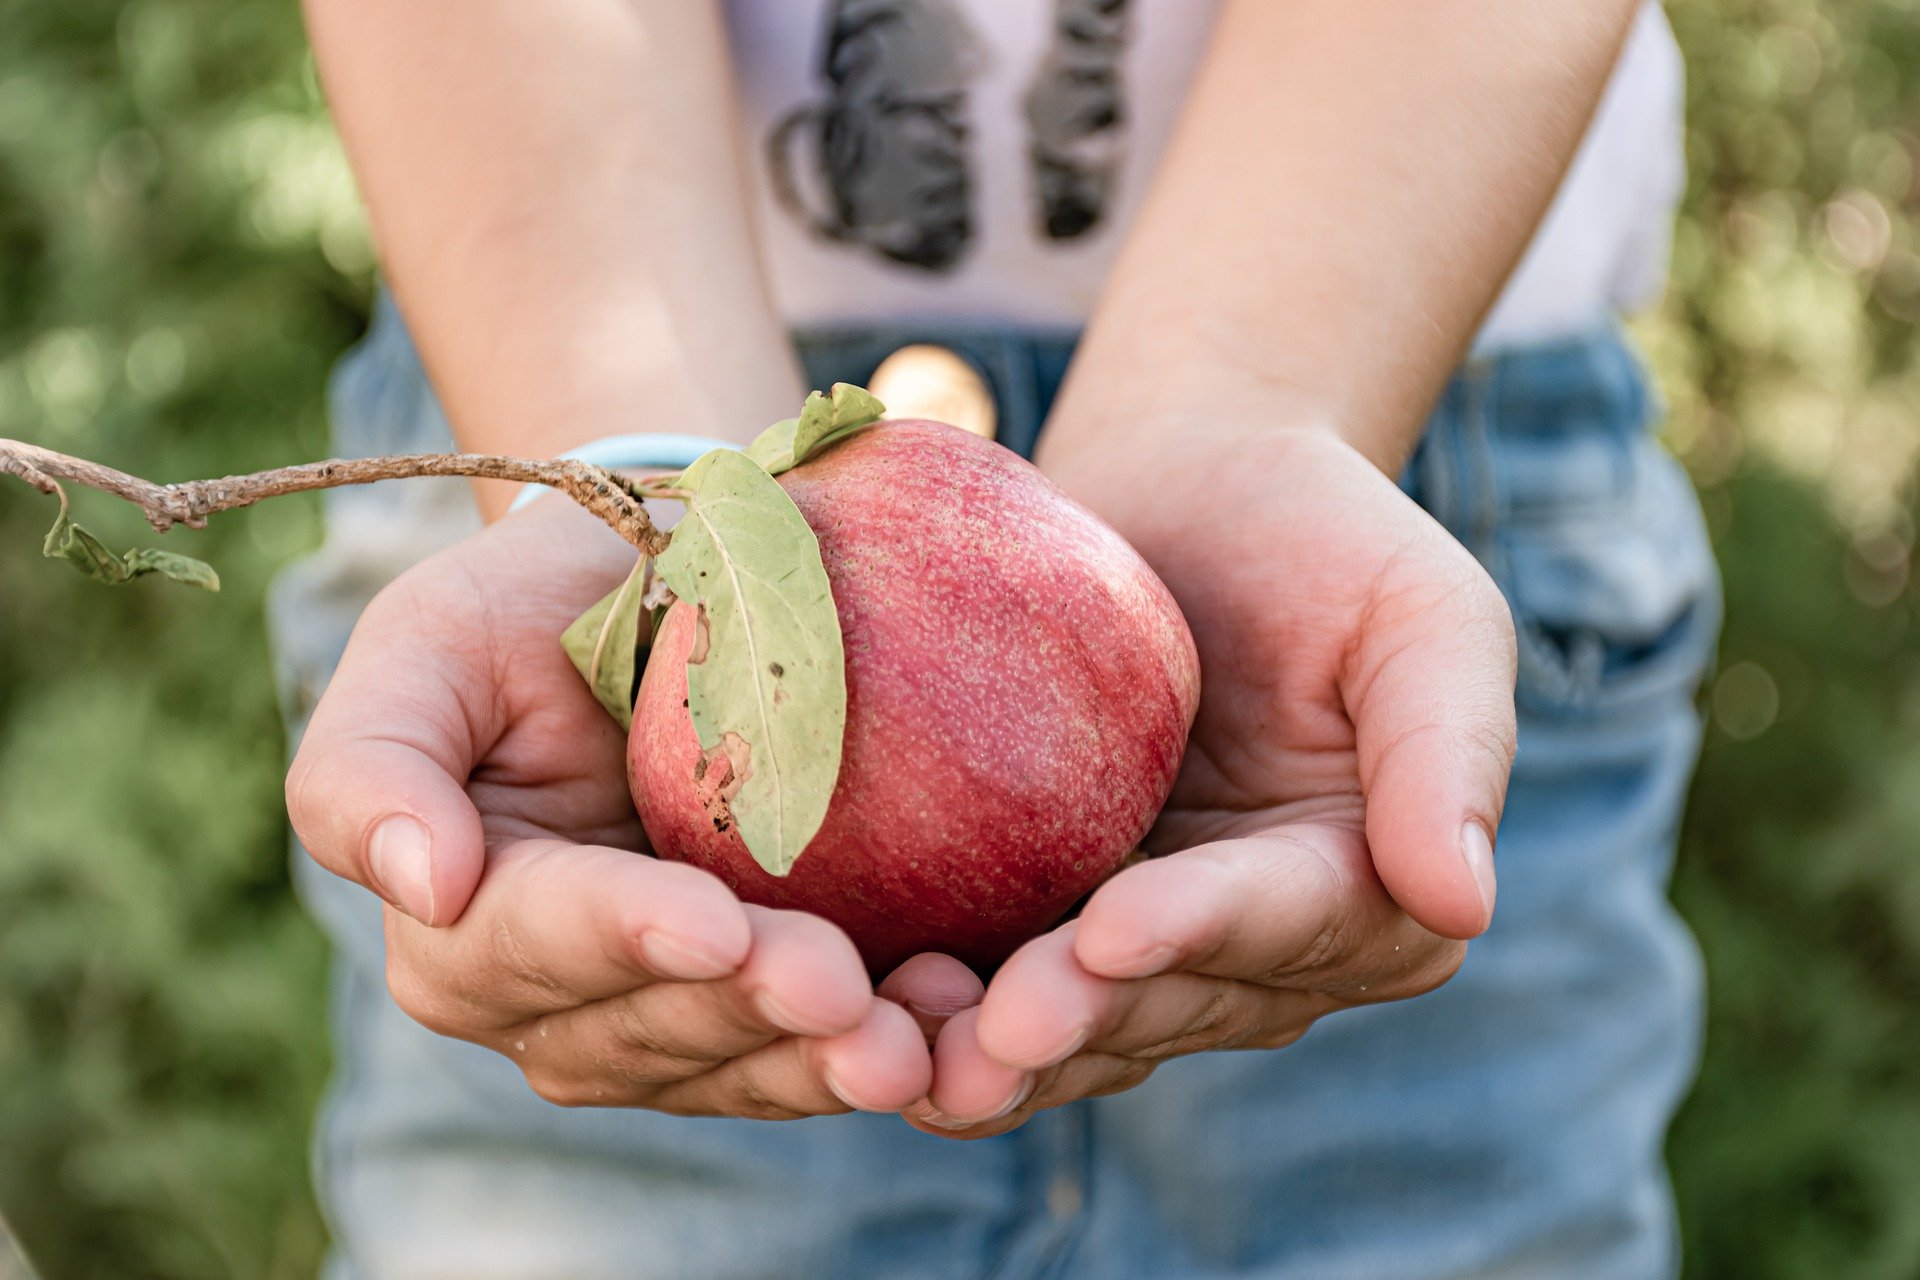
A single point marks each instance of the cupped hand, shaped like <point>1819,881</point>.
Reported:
<point>1328,842</point>
<point>459,768</point>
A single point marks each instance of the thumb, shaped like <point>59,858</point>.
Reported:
<point>1431,699</point>
<point>377,790</point>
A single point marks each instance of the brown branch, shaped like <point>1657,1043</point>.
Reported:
<point>600,491</point>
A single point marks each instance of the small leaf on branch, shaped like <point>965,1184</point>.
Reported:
<point>68,541</point>
<point>824,421</point>
<point>605,644</point>
<point>771,689</point>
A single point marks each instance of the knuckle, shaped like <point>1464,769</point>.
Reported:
<point>1428,965</point>
<point>1286,1020</point>
<point>422,1000</point>
<point>736,1101</point>
<point>299,782</point>
<point>1326,951</point>
<point>1219,1022</point>
<point>643,1044</point>
<point>1435,968</point>
<point>751,1101</point>
<point>304,779</point>
<point>1128,1075</point>
<point>561,1088</point>
<point>643,1065</point>
<point>1276,1037</point>
<point>516,963</point>
<point>1496,742</point>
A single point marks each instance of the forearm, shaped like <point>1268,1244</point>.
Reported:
<point>1349,188</point>
<point>558,205</point>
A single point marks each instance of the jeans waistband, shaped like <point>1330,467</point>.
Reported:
<point>1022,366</point>
<point>1585,381</point>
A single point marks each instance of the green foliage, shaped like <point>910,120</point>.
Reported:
<point>1788,354</point>
<point>68,541</point>
<point>180,260</point>
<point>767,681</point>
<point>607,643</point>
<point>825,419</point>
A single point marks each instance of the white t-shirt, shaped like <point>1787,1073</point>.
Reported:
<point>982,159</point>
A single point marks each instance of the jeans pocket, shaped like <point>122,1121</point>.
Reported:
<point>1617,601</point>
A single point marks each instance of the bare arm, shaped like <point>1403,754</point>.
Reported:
<point>1349,188</point>
<point>1352,182</point>
<point>558,205</point>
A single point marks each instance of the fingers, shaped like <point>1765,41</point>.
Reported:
<point>974,1096</point>
<point>804,975</point>
<point>377,789</point>
<point>932,987</point>
<point>613,979</point>
<point>970,1085</point>
<point>555,926</point>
<point>882,1065</point>
<point>1044,1007</point>
<point>1299,908</point>
<point>802,978</point>
<point>1430,693</point>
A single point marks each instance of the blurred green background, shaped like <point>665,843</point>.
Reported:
<point>181,258</point>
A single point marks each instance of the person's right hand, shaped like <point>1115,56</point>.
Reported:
<point>459,768</point>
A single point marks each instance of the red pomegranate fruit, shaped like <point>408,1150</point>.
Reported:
<point>1019,690</point>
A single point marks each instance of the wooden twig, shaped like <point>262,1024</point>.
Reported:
<point>600,491</point>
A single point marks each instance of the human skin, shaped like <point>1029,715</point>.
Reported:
<point>1318,251</point>
<point>1271,340</point>
<point>1019,689</point>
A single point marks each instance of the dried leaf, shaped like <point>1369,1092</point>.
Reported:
<point>68,541</point>
<point>826,420</point>
<point>605,644</point>
<point>773,675</point>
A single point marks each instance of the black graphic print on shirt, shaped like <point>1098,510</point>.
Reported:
<point>889,142</point>
<point>883,161</point>
<point>1077,113</point>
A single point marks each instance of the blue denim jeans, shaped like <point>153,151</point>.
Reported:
<point>1509,1124</point>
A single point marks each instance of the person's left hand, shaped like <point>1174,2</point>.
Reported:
<point>1328,841</point>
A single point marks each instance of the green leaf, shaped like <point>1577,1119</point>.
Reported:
<point>824,421</point>
<point>605,643</point>
<point>68,541</point>
<point>773,448</point>
<point>767,681</point>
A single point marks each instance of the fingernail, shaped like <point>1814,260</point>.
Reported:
<point>1477,848</point>
<point>784,1018</point>
<point>833,1087</point>
<point>926,1113</point>
<point>1014,1102</point>
<point>1150,963</point>
<point>672,956</point>
<point>934,1116</point>
<point>400,852</point>
<point>1066,1050</point>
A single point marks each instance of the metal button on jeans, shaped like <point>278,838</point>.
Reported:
<point>928,381</point>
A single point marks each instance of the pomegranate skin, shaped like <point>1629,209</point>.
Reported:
<point>1019,690</point>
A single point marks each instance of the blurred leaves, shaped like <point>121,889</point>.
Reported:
<point>1788,355</point>
<point>180,260</point>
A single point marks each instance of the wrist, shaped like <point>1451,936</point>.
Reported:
<point>661,451</point>
<point>1199,385</point>
<point>1197,489</point>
